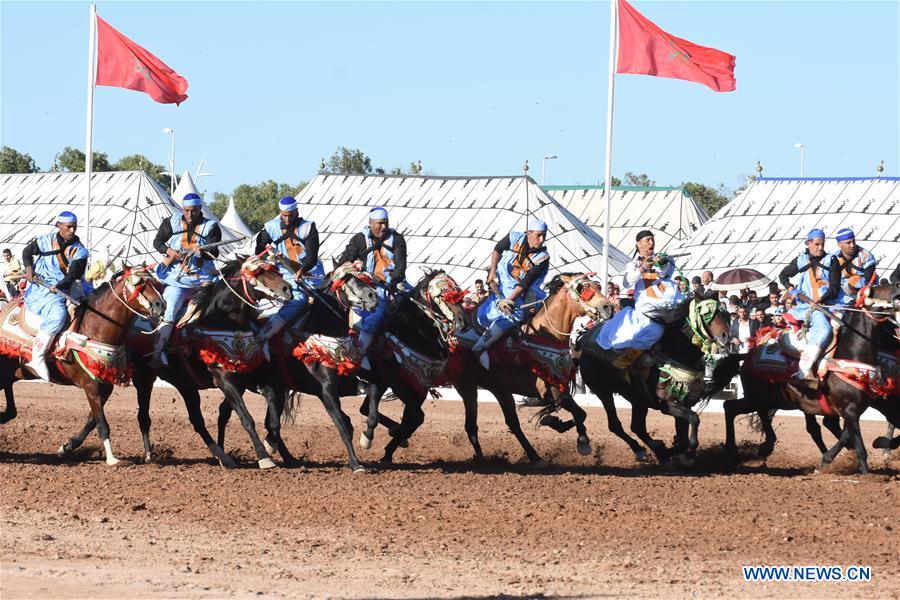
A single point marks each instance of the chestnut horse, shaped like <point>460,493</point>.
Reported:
<point>103,319</point>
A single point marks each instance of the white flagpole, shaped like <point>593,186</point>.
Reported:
<point>607,189</point>
<point>88,150</point>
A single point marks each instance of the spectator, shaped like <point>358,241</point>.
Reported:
<point>478,291</point>
<point>682,284</point>
<point>774,302</point>
<point>759,314</point>
<point>743,328</point>
<point>733,303</point>
<point>12,272</point>
<point>752,300</point>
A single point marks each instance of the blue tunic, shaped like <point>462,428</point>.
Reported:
<point>51,266</point>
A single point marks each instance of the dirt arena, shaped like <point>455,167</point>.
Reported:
<point>432,525</point>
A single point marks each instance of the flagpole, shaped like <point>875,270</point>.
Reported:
<point>607,189</point>
<point>88,150</point>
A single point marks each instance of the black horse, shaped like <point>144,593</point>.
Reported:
<point>644,390</point>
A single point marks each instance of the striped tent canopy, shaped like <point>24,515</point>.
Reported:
<point>450,222</point>
<point>764,228</point>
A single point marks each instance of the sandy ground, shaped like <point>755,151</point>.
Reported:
<point>433,524</point>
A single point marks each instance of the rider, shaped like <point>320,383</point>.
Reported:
<point>383,252</point>
<point>523,263</point>
<point>655,293</point>
<point>297,240</point>
<point>850,268</point>
<point>812,266</point>
<point>184,268</point>
<point>61,262</point>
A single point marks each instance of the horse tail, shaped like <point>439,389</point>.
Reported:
<point>291,406</point>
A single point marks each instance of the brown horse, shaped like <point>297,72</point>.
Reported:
<point>571,296</point>
<point>94,357</point>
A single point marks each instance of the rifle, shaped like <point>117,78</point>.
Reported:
<point>40,281</point>
<point>186,257</point>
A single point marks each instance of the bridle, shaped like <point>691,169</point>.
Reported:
<point>449,293</point>
<point>700,316</point>
<point>247,277</point>
<point>136,291</point>
<point>580,291</point>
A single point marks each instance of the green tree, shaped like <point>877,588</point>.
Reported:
<point>72,159</point>
<point>710,199</point>
<point>348,162</point>
<point>256,203</point>
<point>139,162</point>
<point>13,161</point>
<point>641,180</point>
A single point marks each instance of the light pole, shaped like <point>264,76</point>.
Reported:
<point>544,165</point>
<point>801,147</point>
<point>171,132</point>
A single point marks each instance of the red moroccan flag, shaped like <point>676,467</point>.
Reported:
<point>645,49</point>
<point>122,63</point>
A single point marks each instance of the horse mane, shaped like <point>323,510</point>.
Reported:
<point>557,282</point>
<point>207,294</point>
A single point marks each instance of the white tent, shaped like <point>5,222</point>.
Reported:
<point>233,221</point>
<point>764,228</point>
<point>450,222</point>
<point>126,210</point>
<point>669,212</point>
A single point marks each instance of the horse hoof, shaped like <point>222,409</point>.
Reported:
<point>62,452</point>
<point>584,446</point>
<point>112,461</point>
<point>684,460</point>
<point>365,442</point>
<point>360,469</point>
<point>148,458</point>
<point>227,462</point>
<point>540,464</point>
<point>404,443</point>
<point>641,456</point>
<point>269,447</point>
<point>266,463</point>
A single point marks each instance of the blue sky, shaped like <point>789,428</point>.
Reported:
<point>467,88</point>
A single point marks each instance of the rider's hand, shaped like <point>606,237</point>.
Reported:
<point>662,259</point>
<point>53,289</point>
<point>171,256</point>
<point>506,306</point>
<point>492,276</point>
<point>647,263</point>
<point>29,273</point>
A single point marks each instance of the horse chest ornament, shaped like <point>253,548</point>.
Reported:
<point>340,354</point>
<point>233,351</point>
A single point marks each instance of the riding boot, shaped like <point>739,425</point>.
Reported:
<point>275,324</point>
<point>159,357</point>
<point>807,360</point>
<point>491,335</point>
<point>363,341</point>
<point>39,351</point>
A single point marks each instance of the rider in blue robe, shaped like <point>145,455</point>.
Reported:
<point>60,262</point>
<point>297,240</point>
<point>183,268</point>
<point>519,265</point>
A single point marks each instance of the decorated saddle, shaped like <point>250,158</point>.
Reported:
<point>102,362</point>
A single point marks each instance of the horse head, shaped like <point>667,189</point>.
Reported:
<point>587,294</point>
<point>443,294</point>
<point>353,286</point>
<point>262,279</point>
<point>139,292</point>
<point>711,327</point>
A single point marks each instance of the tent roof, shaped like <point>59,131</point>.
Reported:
<point>450,222</point>
<point>233,221</point>
<point>764,227</point>
<point>126,210</point>
<point>669,212</point>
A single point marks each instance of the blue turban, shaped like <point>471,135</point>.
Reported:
<point>287,203</point>
<point>378,214</point>
<point>537,225</point>
<point>845,234</point>
<point>191,200</point>
<point>815,233</point>
<point>66,217</point>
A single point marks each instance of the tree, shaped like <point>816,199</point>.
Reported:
<point>641,180</point>
<point>710,199</point>
<point>255,203</point>
<point>139,162</point>
<point>348,162</point>
<point>13,161</point>
<point>72,159</point>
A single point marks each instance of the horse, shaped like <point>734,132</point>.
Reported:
<point>314,356</point>
<point>698,330</point>
<point>92,355</point>
<point>570,295</point>
<point>849,386</point>
<point>411,356</point>
<point>223,306</point>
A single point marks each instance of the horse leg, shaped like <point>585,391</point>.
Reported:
<point>833,424</point>
<point>508,406</point>
<point>235,399</point>
<point>829,456</point>
<point>275,401</point>
<point>639,412</point>
<point>469,394</point>
<point>97,394</point>
<point>815,432</point>
<point>9,413</point>
<point>413,417</point>
<point>143,385</point>
<point>768,445</point>
<point>225,412</point>
<point>76,440</point>
<point>369,408</point>
<point>583,443</point>
<point>851,422</point>
<point>685,419</point>
<point>191,397</point>
<point>331,401</point>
